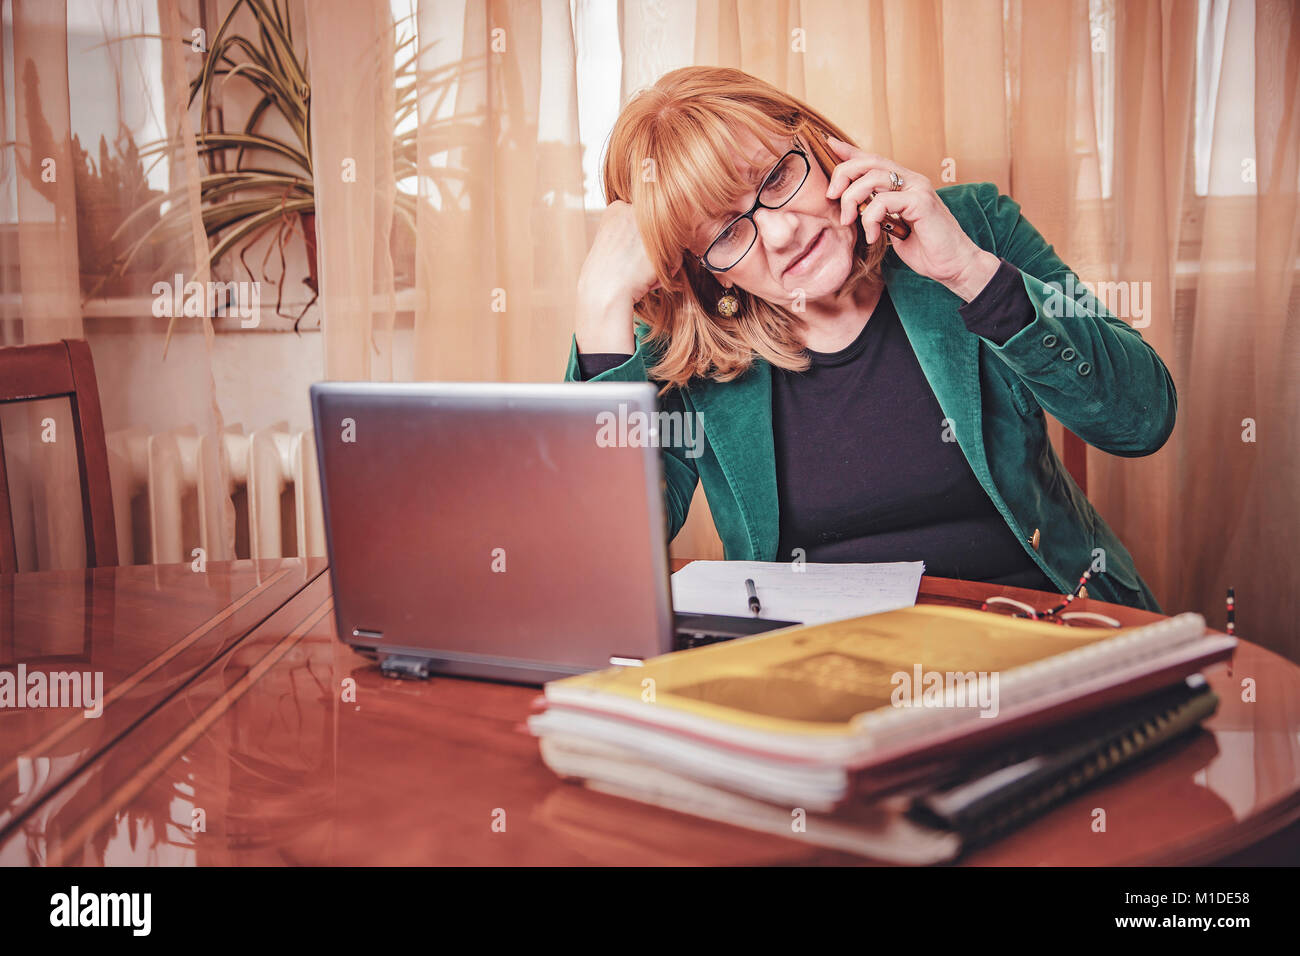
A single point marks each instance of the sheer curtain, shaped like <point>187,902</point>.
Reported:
<point>1087,113</point>
<point>499,226</point>
<point>352,149</point>
<point>87,87</point>
<point>38,280</point>
<point>501,223</point>
<point>1154,143</point>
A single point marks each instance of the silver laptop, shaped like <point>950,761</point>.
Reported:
<point>496,530</point>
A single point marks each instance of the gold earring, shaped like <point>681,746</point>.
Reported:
<point>728,305</point>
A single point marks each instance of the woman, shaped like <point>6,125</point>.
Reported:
<point>861,397</point>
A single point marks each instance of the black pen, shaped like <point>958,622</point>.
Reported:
<point>753,596</point>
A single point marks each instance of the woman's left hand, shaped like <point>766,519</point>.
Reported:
<point>937,248</point>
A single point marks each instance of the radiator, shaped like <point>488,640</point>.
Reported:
<point>163,512</point>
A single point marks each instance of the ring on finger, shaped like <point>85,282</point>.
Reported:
<point>895,184</point>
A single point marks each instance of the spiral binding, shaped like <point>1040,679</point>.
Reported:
<point>1126,747</point>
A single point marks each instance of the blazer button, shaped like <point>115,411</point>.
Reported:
<point>1084,368</point>
<point>1034,539</point>
<point>1068,353</point>
<point>1049,341</point>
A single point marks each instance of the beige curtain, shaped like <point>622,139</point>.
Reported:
<point>352,156</point>
<point>38,283</point>
<point>186,359</point>
<point>499,229</point>
<point>502,231</point>
<point>971,90</point>
<point>1153,143</point>
<point>70,172</point>
<point>963,90</point>
<point>1234,492</point>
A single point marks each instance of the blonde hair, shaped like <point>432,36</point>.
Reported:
<point>670,156</point>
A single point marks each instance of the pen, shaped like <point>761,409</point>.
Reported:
<point>753,596</point>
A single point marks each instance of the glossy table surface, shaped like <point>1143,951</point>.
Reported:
<point>236,729</point>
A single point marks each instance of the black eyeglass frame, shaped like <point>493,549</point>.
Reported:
<point>758,204</point>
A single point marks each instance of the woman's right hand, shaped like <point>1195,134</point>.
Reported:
<point>617,273</point>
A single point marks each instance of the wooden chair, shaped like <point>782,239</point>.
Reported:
<point>59,369</point>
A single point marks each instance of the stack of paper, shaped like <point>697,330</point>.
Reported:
<point>834,721</point>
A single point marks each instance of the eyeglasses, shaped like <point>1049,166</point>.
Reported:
<point>1010,607</point>
<point>779,187</point>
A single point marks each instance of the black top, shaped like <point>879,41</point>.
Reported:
<point>866,468</point>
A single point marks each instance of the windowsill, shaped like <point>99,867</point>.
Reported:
<point>141,306</point>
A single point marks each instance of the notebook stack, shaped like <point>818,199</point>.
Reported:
<point>907,737</point>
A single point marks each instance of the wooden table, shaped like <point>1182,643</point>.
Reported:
<point>238,730</point>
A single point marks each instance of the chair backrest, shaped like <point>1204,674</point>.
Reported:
<point>62,369</point>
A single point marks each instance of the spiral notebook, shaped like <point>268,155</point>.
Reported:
<point>965,805</point>
<point>815,716</point>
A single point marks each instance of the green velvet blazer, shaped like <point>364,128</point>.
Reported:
<point>1076,360</point>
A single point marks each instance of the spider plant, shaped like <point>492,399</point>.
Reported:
<point>254,181</point>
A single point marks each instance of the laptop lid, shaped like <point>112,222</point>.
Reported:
<point>510,531</point>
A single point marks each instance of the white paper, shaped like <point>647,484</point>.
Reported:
<point>813,595</point>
